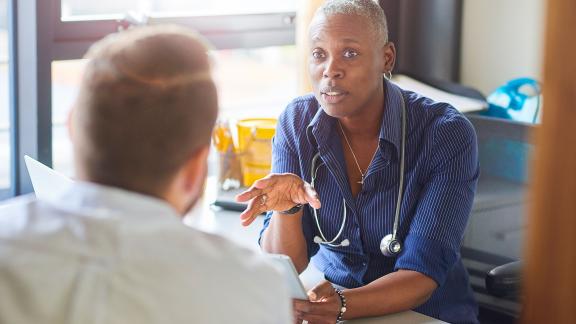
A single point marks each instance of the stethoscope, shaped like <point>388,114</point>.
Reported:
<point>390,245</point>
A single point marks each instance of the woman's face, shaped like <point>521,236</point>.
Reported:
<point>346,64</point>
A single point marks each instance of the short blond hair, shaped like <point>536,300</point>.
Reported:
<point>370,10</point>
<point>147,103</point>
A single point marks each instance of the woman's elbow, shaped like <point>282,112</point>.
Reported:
<point>428,286</point>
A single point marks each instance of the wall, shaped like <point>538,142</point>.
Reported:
<point>501,40</point>
<point>548,278</point>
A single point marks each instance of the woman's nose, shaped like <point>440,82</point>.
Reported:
<point>333,70</point>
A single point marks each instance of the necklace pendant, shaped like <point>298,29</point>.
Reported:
<point>361,181</point>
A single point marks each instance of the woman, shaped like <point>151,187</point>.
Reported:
<point>394,172</point>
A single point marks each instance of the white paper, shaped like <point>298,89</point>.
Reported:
<point>463,104</point>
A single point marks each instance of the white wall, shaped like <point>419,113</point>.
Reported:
<point>501,40</point>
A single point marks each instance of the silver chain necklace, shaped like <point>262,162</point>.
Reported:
<point>354,155</point>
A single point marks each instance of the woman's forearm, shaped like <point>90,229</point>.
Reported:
<point>284,236</point>
<point>398,291</point>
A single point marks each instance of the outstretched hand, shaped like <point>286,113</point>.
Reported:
<point>277,192</point>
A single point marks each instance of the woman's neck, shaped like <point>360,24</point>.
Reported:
<point>367,123</point>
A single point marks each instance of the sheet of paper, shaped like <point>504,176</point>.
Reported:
<point>463,104</point>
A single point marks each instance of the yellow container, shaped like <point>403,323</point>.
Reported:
<point>255,147</point>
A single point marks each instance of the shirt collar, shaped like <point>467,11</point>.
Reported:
<point>105,200</point>
<point>321,126</point>
<point>391,129</point>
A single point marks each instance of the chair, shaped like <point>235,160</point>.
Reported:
<point>492,245</point>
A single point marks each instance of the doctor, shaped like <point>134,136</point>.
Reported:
<point>350,157</point>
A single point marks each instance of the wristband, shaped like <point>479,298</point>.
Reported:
<point>342,305</point>
<point>293,210</point>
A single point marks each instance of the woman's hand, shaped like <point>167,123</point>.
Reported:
<point>278,192</point>
<point>323,307</point>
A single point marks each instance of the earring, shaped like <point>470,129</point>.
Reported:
<point>388,75</point>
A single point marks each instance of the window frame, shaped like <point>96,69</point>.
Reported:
<point>73,37</point>
<point>38,36</point>
<point>10,190</point>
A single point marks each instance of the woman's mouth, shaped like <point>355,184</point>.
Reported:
<point>333,97</point>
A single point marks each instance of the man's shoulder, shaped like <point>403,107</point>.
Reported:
<point>16,213</point>
<point>248,277</point>
<point>17,202</point>
<point>219,252</point>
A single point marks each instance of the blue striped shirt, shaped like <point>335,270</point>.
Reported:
<point>441,173</point>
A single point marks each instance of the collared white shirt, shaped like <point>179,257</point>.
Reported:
<point>104,255</point>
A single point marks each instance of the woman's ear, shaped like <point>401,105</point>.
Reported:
<point>389,53</point>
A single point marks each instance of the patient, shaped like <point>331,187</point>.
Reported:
<point>112,248</point>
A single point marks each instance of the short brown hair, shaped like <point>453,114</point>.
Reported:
<point>147,103</point>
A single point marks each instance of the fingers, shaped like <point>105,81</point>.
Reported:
<point>251,193</point>
<point>321,291</point>
<point>265,182</point>
<point>305,194</point>
<point>256,188</point>
<point>325,306</point>
<point>324,311</point>
<point>316,319</point>
<point>276,192</point>
<point>298,319</point>
<point>257,201</point>
<point>311,196</point>
<point>255,207</point>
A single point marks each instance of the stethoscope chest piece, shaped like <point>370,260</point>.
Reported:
<point>390,246</point>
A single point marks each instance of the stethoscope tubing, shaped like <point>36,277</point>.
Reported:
<point>314,170</point>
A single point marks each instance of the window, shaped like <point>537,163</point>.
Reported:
<point>75,9</point>
<point>255,67</point>
<point>66,76</point>
<point>256,82</point>
<point>5,150</point>
<point>225,23</point>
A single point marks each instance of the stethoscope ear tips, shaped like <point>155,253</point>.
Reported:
<point>319,240</point>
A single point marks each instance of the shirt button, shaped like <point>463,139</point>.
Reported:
<point>364,264</point>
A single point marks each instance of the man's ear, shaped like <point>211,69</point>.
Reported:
<point>389,54</point>
<point>195,169</point>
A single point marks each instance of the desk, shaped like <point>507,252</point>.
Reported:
<point>408,317</point>
<point>227,224</point>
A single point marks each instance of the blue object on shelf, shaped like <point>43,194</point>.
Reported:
<point>519,100</point>
<point>505,158</point>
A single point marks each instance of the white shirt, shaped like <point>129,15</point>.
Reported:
<point>103,255</point>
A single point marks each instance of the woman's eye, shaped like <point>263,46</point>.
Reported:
<point>350,54</point>
<point>317,54</point>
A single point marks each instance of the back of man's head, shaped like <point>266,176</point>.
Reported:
<point>147,104</point>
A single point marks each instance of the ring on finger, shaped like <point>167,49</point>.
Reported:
<point>263,199</point>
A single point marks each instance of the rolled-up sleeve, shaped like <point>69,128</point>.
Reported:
<point>432,245</point>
